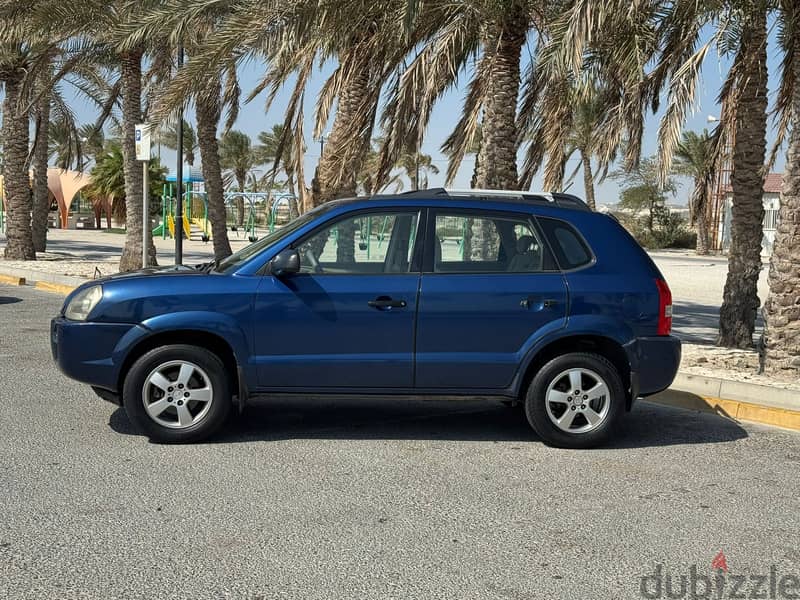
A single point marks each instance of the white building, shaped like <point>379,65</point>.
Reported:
<point>771,199</point>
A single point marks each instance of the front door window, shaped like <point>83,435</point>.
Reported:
<point>363,244</point>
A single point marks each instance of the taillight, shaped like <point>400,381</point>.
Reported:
<point>664,308</point>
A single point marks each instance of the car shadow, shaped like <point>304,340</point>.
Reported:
<point>9,299</point>
<point>648,425</point>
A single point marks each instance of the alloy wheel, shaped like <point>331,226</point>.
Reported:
<point>177,394</point>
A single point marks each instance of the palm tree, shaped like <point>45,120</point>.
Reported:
<point>781,347</point>
<point>694,158</point>
<point>237,156</point>
<point>616,46</point>
<point>740,302</point>
<point>108,181</point>
<point>208,112</point>
<point>101,27</point>
<point>370,42</point>
<point>417,166</point>
<point>179,24</point>
<point>583,139</point>
<point>25,63</point>
<point>266,153</point>
<point>14,64</point>
<point>55,127</point>
<point>41,194</point>
<point>367,182</point>
<point>493,33</point>
<point>168,136</point>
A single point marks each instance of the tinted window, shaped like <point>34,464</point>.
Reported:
<point>570,249</point>
<point>488,243</point>
<point>361,244</point>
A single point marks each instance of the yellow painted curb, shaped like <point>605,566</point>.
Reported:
<point>11,279</point>
<point>54,287</point>
<point>734,409</point>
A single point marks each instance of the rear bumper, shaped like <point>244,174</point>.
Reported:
<point>88,352</point>
<point>654,363</point>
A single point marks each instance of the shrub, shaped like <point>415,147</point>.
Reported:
<point>669,230</point>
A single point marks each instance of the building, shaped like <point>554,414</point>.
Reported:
<point>771,199</point>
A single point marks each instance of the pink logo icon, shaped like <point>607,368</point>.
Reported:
<point>719,562</point>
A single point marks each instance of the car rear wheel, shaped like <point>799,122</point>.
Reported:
<point>177,393</point>
<point>575,401</point>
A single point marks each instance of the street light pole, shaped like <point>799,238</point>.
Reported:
<point>179,182</point>
<point>321,145</point>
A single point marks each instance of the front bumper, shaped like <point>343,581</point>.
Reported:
<point>88,352</point>
<point>654,363</point>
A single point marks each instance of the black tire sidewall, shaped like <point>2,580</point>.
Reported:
<point>209,362</point>
<point>536,410</point>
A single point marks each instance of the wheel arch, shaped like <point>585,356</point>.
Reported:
<point>597,344</point>
<point>194,337</point>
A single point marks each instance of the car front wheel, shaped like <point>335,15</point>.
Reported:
<point>177,393</point>
<point>575,400</point>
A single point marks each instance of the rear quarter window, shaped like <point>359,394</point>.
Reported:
<point>568,245</point>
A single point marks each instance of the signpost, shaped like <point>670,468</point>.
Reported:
<point>143,154</point>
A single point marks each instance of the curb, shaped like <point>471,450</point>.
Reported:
<point>11,279</point>
<point>32,275</point>
<point>48,282</point>
<point>736,400</point>
<point>53,287</point>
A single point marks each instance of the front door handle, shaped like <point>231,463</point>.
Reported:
<point>534,301</point>
<point>386,303</point>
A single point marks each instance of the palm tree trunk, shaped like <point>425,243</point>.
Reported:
<point>240,202</point>
<point>19,244</point>
<point>588,180</point>
<point>41,194</point>
<point>336,172</point>
<point>700,213</point>
<point>781,349</point>
<point>208,115</point>
<point>497,158</point>
<point>131,66</point>
<point>740,302</point>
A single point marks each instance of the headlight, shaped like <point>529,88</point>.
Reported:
<point>83,302</point>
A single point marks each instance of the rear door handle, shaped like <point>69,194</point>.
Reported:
<point>386,303</point>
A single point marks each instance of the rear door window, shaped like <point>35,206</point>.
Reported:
<point>568,245</point>
<point>484,242</point>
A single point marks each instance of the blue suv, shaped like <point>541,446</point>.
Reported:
<point>527,297</point>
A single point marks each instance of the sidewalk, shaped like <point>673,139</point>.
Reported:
<point>77,253</point>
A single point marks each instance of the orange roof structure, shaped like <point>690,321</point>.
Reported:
<point>64,185</point>
<point>772,184</point>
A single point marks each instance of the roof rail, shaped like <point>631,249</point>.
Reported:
<point>558,198</point>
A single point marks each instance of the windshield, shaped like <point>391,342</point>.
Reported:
<point>268,240</point>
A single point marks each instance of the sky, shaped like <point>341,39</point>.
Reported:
<point>253,119</point>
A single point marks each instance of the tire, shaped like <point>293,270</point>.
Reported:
<point>186,391</point>
<point>583,424</point>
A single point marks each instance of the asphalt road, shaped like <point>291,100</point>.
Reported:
<point>368,499</point>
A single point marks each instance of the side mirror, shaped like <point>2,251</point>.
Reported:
<point>285,262</point>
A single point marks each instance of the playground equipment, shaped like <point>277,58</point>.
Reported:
<point>365,234</point>
<point>262,209</point>
<point>195,211</point>
<point>257,212</point>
